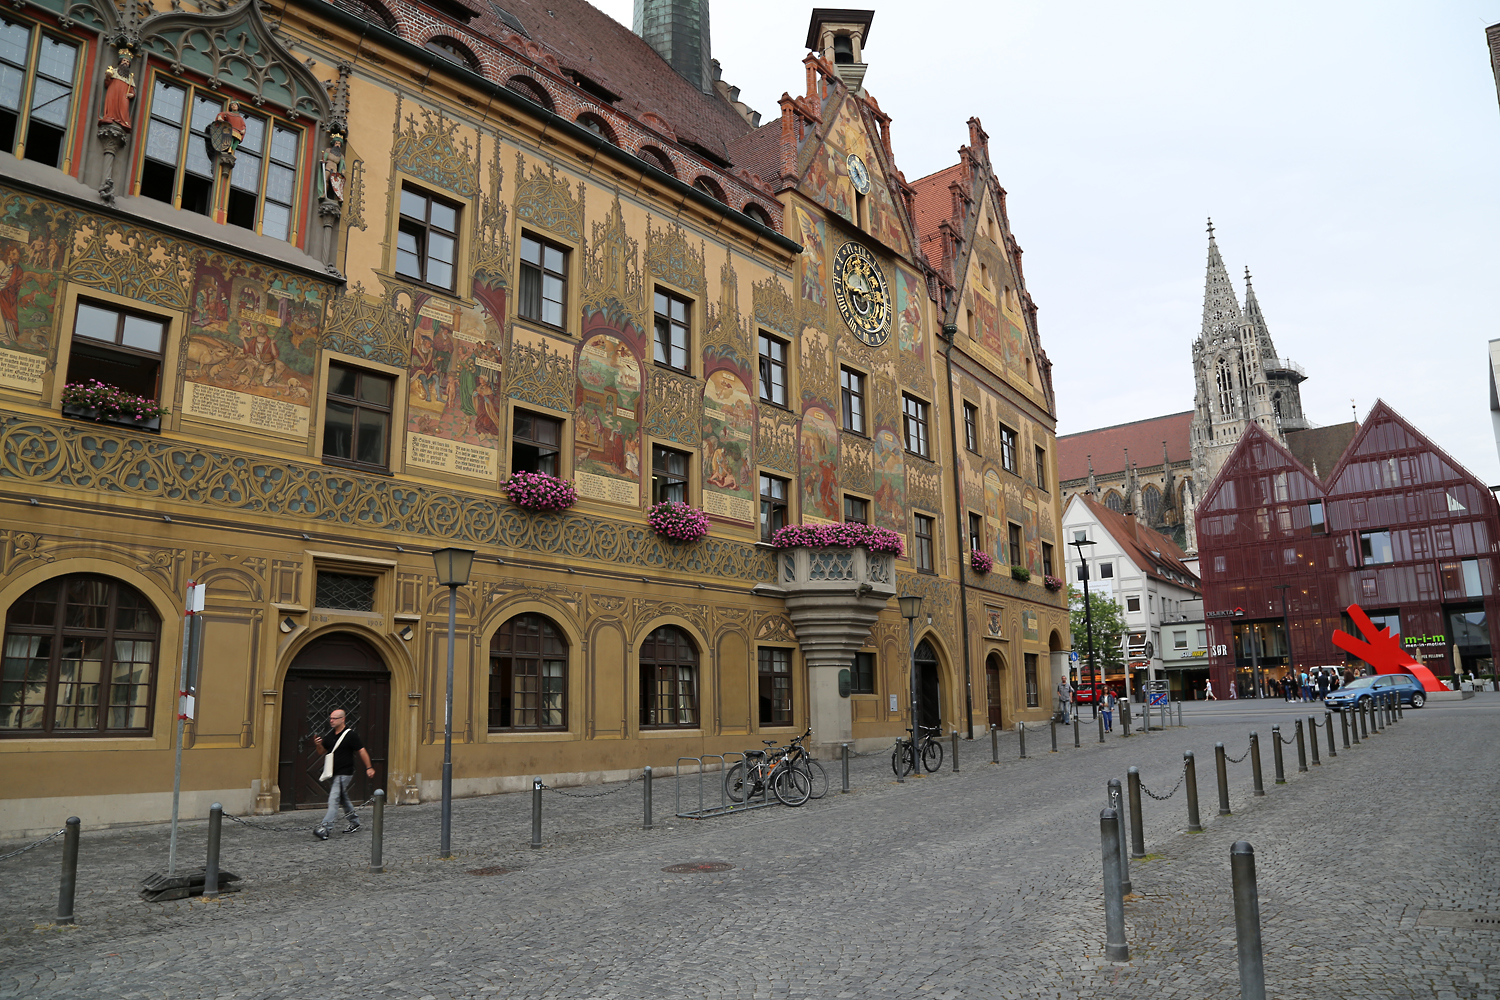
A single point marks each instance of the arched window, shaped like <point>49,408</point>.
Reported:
<point>758,214</point>
<point>453,51</point>
<point>1113,502</point>
<point>530,89</point>
<point>1151,500</point>
<point>1225,379</point>
<point>708,187</point>
<point>377,12</point>
<point>657,159</point>
<point>80,660</point>
<point>598,126</point>
<point>528,675</point>
<point>669,679</point>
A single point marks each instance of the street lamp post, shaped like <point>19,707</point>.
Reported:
<point>911,610</point>
<point>453,566</point>
<point>1088,618</point>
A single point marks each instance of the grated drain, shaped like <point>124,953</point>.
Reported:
<point>493,870</point>
<point>1459,918</point>
<point>698,867</point>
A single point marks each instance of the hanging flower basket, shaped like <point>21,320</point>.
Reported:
<point>677,521</point>
<point>540,491</point>
<point>1020,573</point>
<point>104,404</point>
<point>982,562</point>
<point>1052,583</point>
<point>844,536</point>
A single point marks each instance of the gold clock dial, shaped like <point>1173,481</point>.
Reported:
<point>861,293</point>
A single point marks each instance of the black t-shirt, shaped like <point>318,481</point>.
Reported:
<point>343,757</point>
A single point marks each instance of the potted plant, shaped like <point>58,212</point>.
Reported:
<point>539,491</point>
<point>677,521</point>
<point>847,536</point>
<point>105,404</point>
<point>1020,573</point>
<point>981,562</point>
<point>1052,583</point>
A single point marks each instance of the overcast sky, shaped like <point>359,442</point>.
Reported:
<point>1349,154</point>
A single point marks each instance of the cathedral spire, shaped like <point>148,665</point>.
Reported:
<point>1221,310</point>
<point>1257,319</point>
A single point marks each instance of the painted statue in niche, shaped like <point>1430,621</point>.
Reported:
<point>994,516</point>
<point>819,453</point>
<point>607,412</point>
<point>253,333</point>
<point>453,377</point>
<point>728,416</point>
<point>889,480</point>
<point>814,273</point>
<point>1015,327</point>
<point>910,291</point>
<point>119,90</point>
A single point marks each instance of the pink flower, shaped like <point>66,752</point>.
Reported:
<point>540,491</point>
<point>846,535</point>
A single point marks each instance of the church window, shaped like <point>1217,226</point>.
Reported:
<point>48,65</point>
<point>1225,379</point>
<point>1151,500</point>
<point>1113,502</point>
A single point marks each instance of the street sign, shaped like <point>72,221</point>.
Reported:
<point>1158,699</point>
<point>1073,657</point>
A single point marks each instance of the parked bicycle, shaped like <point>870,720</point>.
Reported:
<point>768,769</point>
<point>799,758</point>
<point>903,762</point>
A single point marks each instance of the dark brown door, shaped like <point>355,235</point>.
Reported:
<point>992,683</point>
<point>338,671</point>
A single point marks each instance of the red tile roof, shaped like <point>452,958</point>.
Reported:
<point>1154,553</point>
<point>759,152</point>
<point>1143,438</point>
<point>933,206</point>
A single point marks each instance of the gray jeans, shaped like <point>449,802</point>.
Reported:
<point>338,793</point>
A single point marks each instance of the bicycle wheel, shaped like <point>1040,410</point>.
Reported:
<point>791,786</point>
<point>932,755</point>
<point>735,783</point>
<point>816,776</point>
<point>901,762</point>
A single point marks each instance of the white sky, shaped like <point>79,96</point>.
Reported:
<point>1349,153</point>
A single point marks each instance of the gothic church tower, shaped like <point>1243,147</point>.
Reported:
<point>1238,377</point>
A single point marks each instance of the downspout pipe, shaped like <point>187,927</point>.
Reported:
<point>950,331</point>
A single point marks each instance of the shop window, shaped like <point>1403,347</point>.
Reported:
<point>773,505</point>
<point>669,680</point>
<point>427,240</point>
<point>775,686</point>
<point>856,510</point>
<point>1375,548</point>
<point>1033,689</point>
<point>852,394</point>
<point>862,674</point>
<point>914,420</point>
<point>544,281</point>
<point>922,551</point>
<point>528,675</point>
<point>672,331</point>
<point>357,418</point>
<point>80,660</point>
<point>117,347</point>
<point>971,427</point>
<point>1008,449</point>
<point>1315,517</point>
<point>976,532</point>
<point>535,443</point>
<point>344,592</point>
<point>669,474</point>
<point>772,369</point>
<point>37,73</point>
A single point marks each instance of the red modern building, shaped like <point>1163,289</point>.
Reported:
<point>1396,526</point>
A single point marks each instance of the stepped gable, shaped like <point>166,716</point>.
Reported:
<point>1109,444</point>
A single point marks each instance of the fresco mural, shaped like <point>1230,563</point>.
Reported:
<point>820,466</point>
<point>1030,530</point>
<point>728,477</point>
<point>814,258</point>
<point>889,475</point>
<point>33,256</point>
<point>910,291</point>
<point>251,347</point>
<point>1014,333</point>
<point>825,176</point>
<point>607,413</point>
<point>994,516</point>
<point>453,406</point>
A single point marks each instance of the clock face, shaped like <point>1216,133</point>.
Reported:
<point>858,175</point>
<point>860,290</point>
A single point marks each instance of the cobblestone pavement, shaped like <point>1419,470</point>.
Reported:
<point>984,883</point>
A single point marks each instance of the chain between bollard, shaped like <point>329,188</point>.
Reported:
<point>1237,760</point>
<point>1163,798</point>
<point>32,847</point>
<point>593,795</point>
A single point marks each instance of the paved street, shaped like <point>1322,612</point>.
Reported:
<point>984,883</point>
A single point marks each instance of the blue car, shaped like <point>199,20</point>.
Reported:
<point>1363,689</point>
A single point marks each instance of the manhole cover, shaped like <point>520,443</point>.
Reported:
<point>489,871</point>
<point>696,867</point>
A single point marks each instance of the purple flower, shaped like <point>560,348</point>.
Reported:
<point>982,562</point>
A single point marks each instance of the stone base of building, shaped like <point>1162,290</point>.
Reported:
<point>38,817</point>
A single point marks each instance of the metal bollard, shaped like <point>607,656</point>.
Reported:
<point>1100,719</point>
<point>1053,725</point>
<point>1276,753</point>
<point>69,885</point>
<point>1312,738</point>
<point>536,812</point>
<point>1260,781</point>
<point>1076,744</point>
<point>211,869</point>
<point>1179,712</point>
<point>1190,781</point>
<point>1137,822</point>
<point>1222,767</point>
<point>955,751</point>
<point>1400,712</point>
<point>845,754</point>
<point>1125,715</point>
<point>1364,728</point>
<point>1377,713</point>
<point>1117,803</point>
<point>646,791</point>
<point>1354,723</point>
<point>1390,712</point>
<point>377,833</point>
<point>994,744</point>
<point>1328,729</point>
<point>1301,749</point>
<point>1247,922</point>
<point>1344,727</point>
<point>1115,948</point>
<point>1022,730</point>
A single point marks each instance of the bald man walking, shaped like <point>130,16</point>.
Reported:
<point>345,744</point>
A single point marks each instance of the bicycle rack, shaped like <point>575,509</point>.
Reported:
<point>725,807</point>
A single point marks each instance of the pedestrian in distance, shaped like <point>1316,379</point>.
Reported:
<point>1064,699</point>
<point>1208,691</point>
<point>341,744</point>
<point>1107,709</point>
<point>1233,691</point>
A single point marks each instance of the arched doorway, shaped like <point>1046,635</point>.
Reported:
<point>339,670</point>
<point>992,686</point>
<point>928,689</point>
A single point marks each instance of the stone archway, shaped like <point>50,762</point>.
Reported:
<point>336,670</point>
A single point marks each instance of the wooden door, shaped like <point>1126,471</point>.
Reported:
<point>992,685</point>
<point>339,671</point>
<point>928,688</point>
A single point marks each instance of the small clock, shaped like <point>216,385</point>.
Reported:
<point>859,175</point>
<point>861,293</point>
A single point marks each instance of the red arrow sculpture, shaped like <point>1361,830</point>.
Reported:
<point>1383,651</point>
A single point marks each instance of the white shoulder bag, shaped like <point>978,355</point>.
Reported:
<point>327,774</point>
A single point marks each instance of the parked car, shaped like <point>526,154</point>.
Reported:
<point>1363,689</point>
<point>1083,694</point>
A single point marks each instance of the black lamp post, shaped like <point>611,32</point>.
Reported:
<point>911,610</point>
<point>1088,618</point>
<point>453,566</point>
